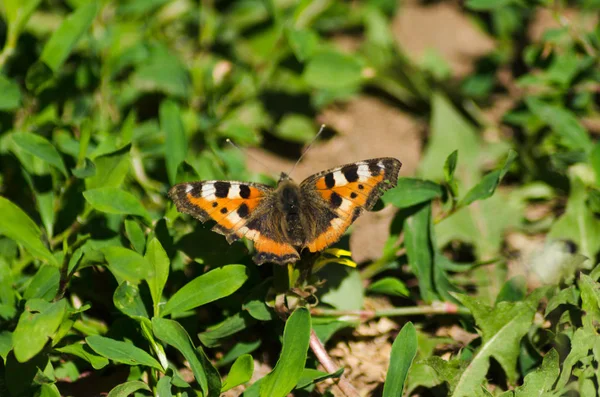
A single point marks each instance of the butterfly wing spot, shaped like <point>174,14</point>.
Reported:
<point>349,190</point>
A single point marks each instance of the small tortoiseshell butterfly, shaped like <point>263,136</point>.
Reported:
<point>285,219</point>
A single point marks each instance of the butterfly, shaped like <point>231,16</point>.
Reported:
<point>283,220</point>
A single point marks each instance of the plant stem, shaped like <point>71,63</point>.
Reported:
<point>327,363</point>
<point>435,308</point>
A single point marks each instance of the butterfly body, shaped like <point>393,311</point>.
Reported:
<point>290,217</point>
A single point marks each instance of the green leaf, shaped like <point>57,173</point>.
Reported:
<point>403,353</point>
<point>115,201</point>
<point>304,42</point>
<point>162,72</point>
<point>39,146</point>
<point>121,352</point>
<point>44,285</point>
<point>163,387</point>
<point>562,122</point>
<point>449,170</point>
<point>128,388</point>
<point>541,381</point>
<point>206,288</point>
<point>411,191</point>
<point>15,224</point>
<point>128,300</point>
<point>389,286</point>
<point>37,323</point>
<point>10,97</point>
<point>111,169</point>
<point>230,326</point>
<point>135,234</point>
<point>312,376</point>
<point>578,223</point>
<point>18,13</point>
<point>238,350</point>
<point>502,328</point>
<point>333,70</point>
<point>241,372</point>
<point>450,131</point>
<point>159,261</point>
<point>6,344</point>
<point>419,250</point>
<point>172,333</point>
<point>126,264</point>
<point>487,186</point>
<point>63,39</point>
<point>295,128</point>
<point>345,288</point>
<point>482,5</point>
<point>86,353</point>
<point>282,379</point>
<point>87,170</point>
<point>175,139</point>
<point>582,341</point>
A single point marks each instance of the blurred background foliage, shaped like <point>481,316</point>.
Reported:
<point>106,104</point>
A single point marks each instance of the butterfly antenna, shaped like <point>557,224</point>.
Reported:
<point>307,148</point>
<point>251,157</point>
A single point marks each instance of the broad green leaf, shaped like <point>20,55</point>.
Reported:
<point>15,224</point>
<point>404,350</point>
<point>128,300</point>
<point>48,390</point>
<point>44,285</point>
<point>6,344</point>
<point>562,122</point>
<point>241,371</point>
<point>502,328</point>
<point>175,139</point>
<point>126,264</point>
<point>127,388</point>
<point>238,350</point>
<point>333,71</point>
<point>206,288</point>
<point>136,236</point>
<point>419,250</point>
<point>578,222</point>
<point>111,169</point>
<point>304,42</point>
<point>595,161</point>
<point>63,40</point>
<point>284,377</point>
<point>84,352</point>
<point>487,186</point>
<point>159,261</point>
<point>163,387</point>
<point>389,286</point>
<point>121,352</point>
<point>115,201</point>
<point>230,326</point>
<point>10,95</point>
<point>295,128</point>
<point>541,381</point>
<point>411,191</point>
<point>172,333</point>
<point>345,288</point>
<point>41,148</point>
<point>450,131</point>
<point>37,323</point>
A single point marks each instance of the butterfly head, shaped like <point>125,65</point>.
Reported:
<point>283,178</point>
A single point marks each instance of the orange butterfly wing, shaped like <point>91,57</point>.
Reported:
<point>233,205</point>
<point>349,190</point>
